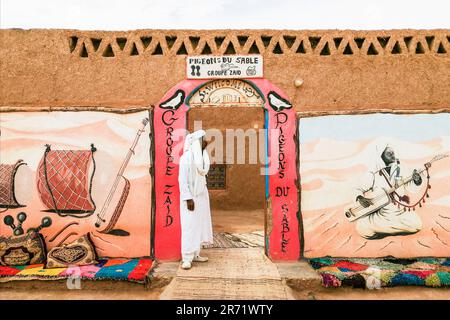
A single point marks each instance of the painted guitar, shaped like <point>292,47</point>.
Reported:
<point>117,196</point>
<point>381,198</point>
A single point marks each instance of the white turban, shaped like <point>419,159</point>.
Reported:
<point>198,161</point>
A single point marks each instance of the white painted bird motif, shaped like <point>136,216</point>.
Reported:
<point>174,102</point>
<point>277,102</point>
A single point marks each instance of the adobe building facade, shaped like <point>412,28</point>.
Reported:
<point>68,88</point>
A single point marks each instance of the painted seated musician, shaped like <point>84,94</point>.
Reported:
<point>392,219</point>
<point>195,212</point>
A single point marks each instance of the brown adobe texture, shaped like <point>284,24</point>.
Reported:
<point>341,70</point>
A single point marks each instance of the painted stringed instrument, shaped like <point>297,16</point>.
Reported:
<point>381,198</point>
<point>109,214</point>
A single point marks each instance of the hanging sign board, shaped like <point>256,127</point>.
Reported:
<point>224,67</point>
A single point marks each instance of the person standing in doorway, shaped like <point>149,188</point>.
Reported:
<point>195,212</point>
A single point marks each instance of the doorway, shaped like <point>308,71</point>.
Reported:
<point>170,121</point>
<point>235,183</point>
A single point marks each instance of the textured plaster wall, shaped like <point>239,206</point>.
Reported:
<point>341,70</point>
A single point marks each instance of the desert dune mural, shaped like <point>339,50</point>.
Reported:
<point>86,171</point>
<point>375,185</point>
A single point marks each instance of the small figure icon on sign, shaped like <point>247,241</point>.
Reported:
<point>195,71</point>
<point>251,70</point>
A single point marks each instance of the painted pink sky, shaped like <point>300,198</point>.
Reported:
<point>24,136</point>
<point>330,172</point>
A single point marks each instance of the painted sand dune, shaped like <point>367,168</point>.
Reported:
<point>23,136</point>
<point>332,170</point>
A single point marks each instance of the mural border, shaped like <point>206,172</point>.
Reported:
<point>149,109</point>
<point>311,114</point>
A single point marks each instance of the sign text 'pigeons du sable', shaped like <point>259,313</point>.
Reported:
<point>224,67</point>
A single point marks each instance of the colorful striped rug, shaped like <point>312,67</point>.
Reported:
<point>134,270</point>
<point>387,272</point>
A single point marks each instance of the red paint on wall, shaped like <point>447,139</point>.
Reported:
<point>170,125</point>
<point>284,242</point>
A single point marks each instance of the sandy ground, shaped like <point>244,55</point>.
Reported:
<point>237,221</point>
<point>322,294</point>
<point>80,294</point>
<point>398,293</point>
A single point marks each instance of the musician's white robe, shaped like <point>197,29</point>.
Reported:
<point>389,220</point>
<point>196,226</point>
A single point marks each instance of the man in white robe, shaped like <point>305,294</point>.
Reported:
<point>195,212</point>
<point>390,220</point>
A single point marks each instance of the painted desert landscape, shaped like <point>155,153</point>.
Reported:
<point>24,136</point>
<point>336,152</point>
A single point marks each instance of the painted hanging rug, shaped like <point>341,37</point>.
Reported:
<point>387,272</point>
<point>133,270</point>
<point>63,181</point>
<point>7,176</point>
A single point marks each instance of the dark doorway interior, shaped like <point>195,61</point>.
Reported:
<point>236,190</point>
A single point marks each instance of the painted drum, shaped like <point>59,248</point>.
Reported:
<point>23,184</point>
<point>15,183</point>
<point>64,181</point>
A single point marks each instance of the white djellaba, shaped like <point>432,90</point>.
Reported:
<point>389,220</point>
<point>196,225</point>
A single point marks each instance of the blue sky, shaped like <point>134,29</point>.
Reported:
<point>419,127</point>
<point>224,14</point>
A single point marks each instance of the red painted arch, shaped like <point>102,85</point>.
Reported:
<point>282,242</point>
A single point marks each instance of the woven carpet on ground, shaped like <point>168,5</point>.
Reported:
<point>233,273</point>
<point>134,270</point>
<point>237,240</point>
<point>387,272</point>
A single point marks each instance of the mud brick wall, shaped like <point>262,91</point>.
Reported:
<point>341,70</point>
<point>400,71</point>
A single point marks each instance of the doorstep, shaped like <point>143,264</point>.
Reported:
<point>299,275</point>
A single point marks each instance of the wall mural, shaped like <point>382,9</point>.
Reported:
<point>375,185</point>
<point>73,173</point>
<point>282,240</point>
